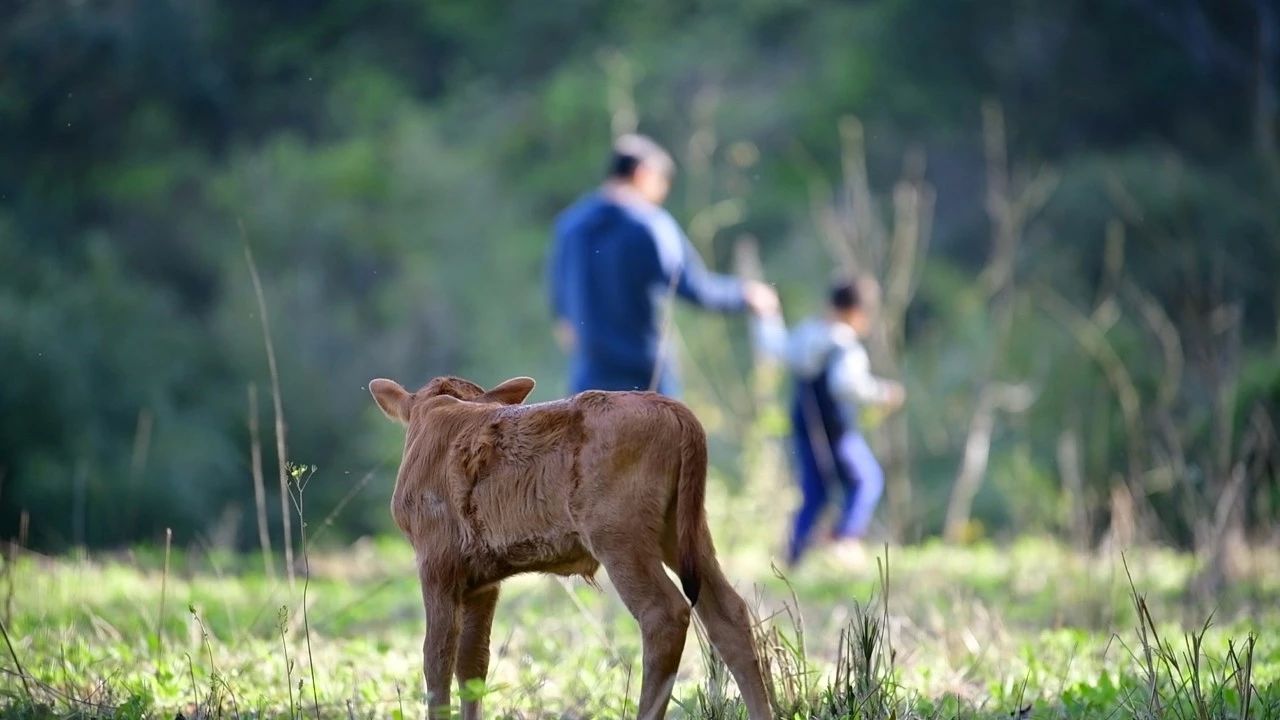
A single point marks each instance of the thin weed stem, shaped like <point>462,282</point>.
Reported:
<point>282,622</point>
<point>17,664</point>
<point>164,588</point>
<point>302,475</point>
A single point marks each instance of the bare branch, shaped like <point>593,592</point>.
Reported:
<point>994,397</point>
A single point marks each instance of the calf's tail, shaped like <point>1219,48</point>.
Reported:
<point>691,522</point>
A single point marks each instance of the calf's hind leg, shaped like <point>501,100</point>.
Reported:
<point>724,614</point>
<point>663,615</point>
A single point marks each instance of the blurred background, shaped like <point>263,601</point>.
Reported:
<point>1074,208</point>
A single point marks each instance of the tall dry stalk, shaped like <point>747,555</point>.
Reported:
<point>259,484</point>
<point>281,454</point>
<point>164,591</point>
<point>994,398</point>
<point>913,201</point>
<point>620,85</point>
<point>1008,210</point>
<point>864,230</point>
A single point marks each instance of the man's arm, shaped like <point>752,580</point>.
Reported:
<point>684,270</point>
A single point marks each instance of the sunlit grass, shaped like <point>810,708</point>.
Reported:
<point>982,630</point>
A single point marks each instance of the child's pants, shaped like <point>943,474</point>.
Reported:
<point>860,480</point>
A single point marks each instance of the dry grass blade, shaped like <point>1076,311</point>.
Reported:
<point>282,456</point>
<point>17,664</point>
<point>259,485</point>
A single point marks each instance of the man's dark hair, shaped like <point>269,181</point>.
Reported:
<point>630,151</point>
<point>845,294</point>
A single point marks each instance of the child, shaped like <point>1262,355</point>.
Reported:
<point>832,379</point>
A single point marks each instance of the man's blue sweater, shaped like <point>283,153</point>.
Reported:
<point>613,262</point>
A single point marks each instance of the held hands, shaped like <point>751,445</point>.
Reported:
<point>761,299</point>
<point>872,414</point>
<point>896,396</point>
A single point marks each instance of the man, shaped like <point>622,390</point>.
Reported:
<point>617,256</point>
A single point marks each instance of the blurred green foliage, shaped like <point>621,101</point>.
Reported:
<point>396,167</point>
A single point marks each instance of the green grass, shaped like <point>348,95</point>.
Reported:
<point>965,632</point>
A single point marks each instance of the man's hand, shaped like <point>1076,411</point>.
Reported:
<point>761,299</point>
<point>566,338</point>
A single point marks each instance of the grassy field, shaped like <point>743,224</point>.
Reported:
<point>980,631</point>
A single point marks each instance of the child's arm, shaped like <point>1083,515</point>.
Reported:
<point>851,380</point>
<point>769,334</point>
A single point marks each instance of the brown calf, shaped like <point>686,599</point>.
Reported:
<point>489,488</point>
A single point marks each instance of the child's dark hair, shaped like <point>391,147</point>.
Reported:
<point>845,294</point>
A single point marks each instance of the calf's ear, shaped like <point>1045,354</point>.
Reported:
<point>392,398</point>
<point>510,392</point>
